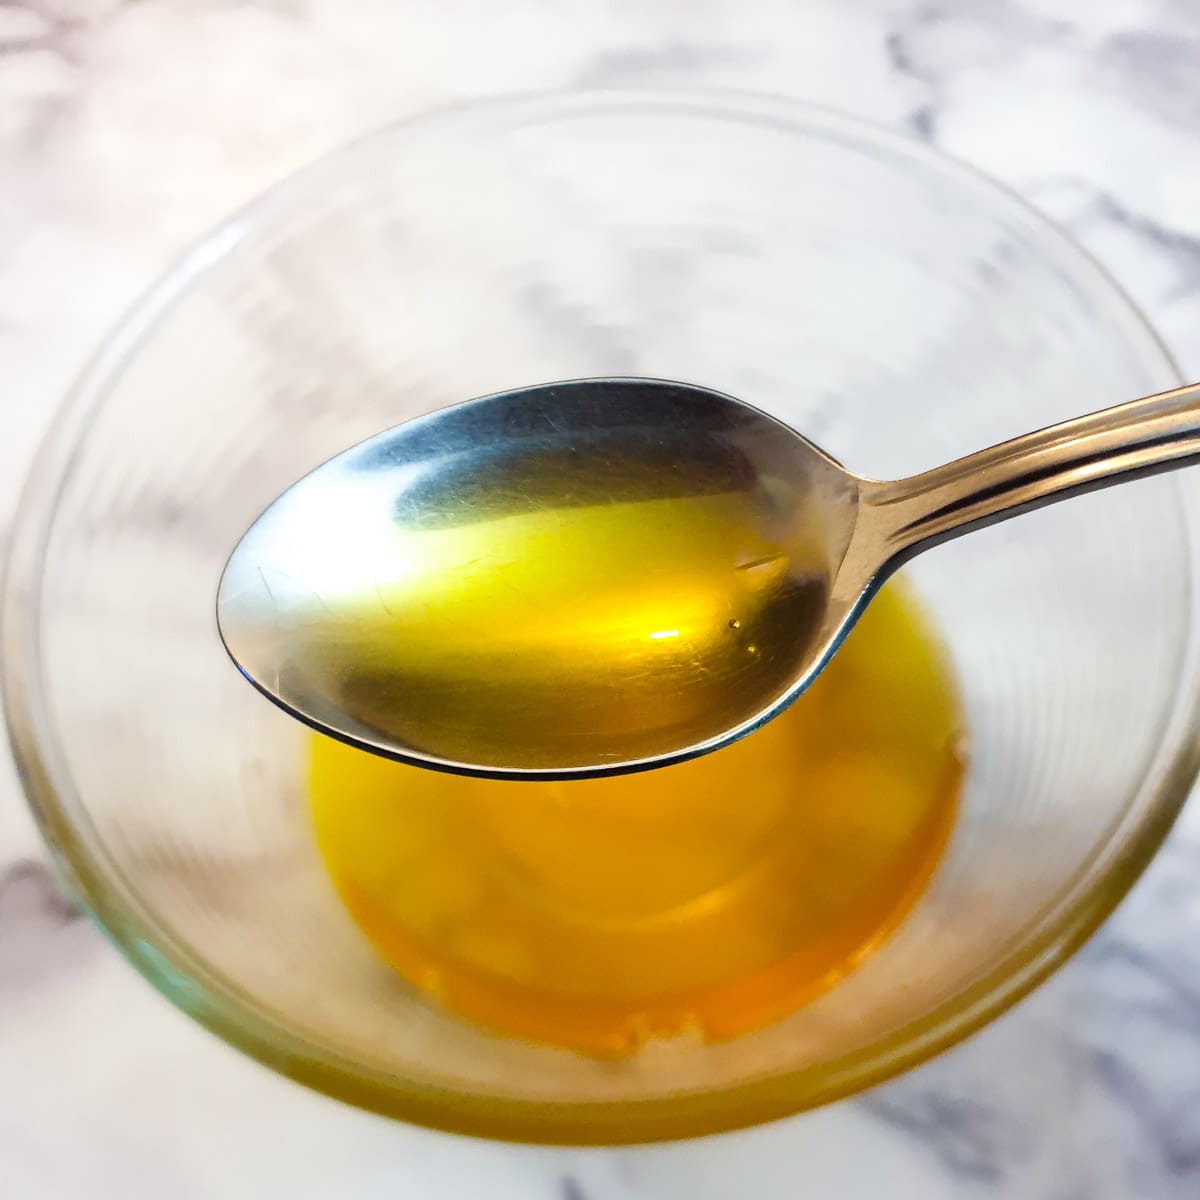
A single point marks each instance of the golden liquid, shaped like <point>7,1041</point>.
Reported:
<point>705,899</point>
<point>556,608</point>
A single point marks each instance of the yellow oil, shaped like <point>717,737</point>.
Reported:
<point>704,899</point>
<point>610,607</point>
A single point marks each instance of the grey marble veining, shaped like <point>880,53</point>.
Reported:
<point>128,127</point>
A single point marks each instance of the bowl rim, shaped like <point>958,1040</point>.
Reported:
<point>219,1005</point>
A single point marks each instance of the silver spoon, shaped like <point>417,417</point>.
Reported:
<point>606,575</point>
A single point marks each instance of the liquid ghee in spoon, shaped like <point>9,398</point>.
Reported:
<point>703,899</point>
<point>549,606</point>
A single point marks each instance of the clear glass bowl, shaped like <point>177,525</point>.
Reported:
<point>889,303</point>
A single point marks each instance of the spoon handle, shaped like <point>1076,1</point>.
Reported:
<point>1155,433</point>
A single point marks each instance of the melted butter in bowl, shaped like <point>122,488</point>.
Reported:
<point>706,898</point>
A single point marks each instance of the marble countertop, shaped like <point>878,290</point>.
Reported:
<point>127,126</point>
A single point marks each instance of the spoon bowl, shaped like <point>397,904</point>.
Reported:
<point>569,579</point>
<point>601,576</point>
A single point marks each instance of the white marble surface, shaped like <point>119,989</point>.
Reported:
<point>127,126</point>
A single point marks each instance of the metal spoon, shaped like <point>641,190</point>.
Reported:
<point>606,575</point>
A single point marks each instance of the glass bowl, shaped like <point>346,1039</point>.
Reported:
<point>887,302</point>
